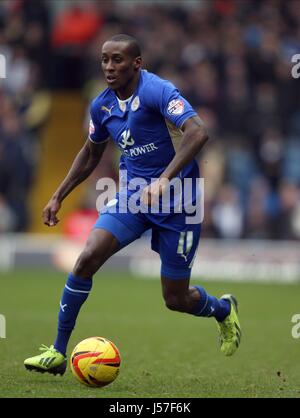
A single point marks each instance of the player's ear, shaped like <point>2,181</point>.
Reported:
<point>137,63</point>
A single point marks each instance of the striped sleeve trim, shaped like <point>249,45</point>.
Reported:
<point>98,143</point>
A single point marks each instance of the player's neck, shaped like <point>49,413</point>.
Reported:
<point>128,90</point>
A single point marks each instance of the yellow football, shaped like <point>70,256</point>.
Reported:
<point>95,362</point>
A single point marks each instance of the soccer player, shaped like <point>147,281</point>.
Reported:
<point>159,135</point>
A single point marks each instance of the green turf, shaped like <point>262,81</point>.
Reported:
<point>164,354</point>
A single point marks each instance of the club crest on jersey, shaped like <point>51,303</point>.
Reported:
<point>135,104</point>
<point>122,106</point>
<point>91,128</point>
<point>175,107</point>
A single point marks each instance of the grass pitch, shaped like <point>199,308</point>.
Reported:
<point>164,353</point>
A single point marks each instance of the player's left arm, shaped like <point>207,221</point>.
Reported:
<point>194,138</point>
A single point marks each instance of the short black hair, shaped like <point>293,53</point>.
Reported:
<point>133,45</point>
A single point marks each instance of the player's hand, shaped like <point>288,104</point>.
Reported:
<point>50,211</point>
<point>152,193</point>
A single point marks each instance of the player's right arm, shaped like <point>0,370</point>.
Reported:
<point>84,164</point>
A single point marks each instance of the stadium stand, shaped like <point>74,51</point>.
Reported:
<point>231,59</point>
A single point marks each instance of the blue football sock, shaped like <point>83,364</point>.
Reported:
<point>74,295</point>
<point>211,306</point>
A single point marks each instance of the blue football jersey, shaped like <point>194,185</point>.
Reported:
<point>145,127</point>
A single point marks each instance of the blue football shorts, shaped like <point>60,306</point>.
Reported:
<point>172,238</point>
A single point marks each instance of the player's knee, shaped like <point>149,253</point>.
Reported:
<point>175,303</point>
<point>87,264</point>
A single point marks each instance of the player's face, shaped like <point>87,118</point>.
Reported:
<point>118,65</point>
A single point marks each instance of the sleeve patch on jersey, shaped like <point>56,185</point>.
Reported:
<point>92,128</point>
<point>175,107</point>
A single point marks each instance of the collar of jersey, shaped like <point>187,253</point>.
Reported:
<point>127,101</point>
<point>115,103</point>
<point>124,102</point>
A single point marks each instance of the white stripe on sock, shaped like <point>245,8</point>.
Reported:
<point>203,306</point>
<point>76,291</point>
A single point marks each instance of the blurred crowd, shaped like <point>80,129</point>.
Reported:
<point>230,58</point>
<point>24,105</point>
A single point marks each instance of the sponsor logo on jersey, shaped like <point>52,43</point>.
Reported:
<point>127,140</point>
<point>135,104</point>
<point>91,128</point>
<point>143,149</point>
<point>175,107</point>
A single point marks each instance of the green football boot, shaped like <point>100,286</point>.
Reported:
<point>230,329</point>
<point>50,361</point>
